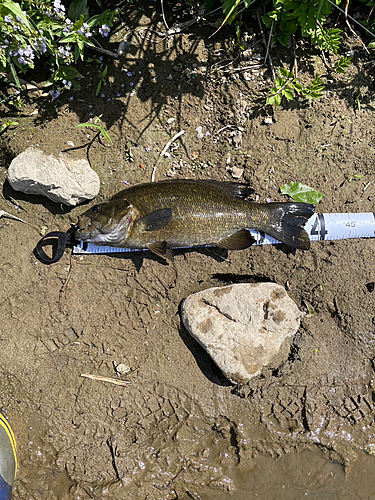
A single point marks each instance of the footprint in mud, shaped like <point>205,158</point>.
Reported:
<point>338,417</point>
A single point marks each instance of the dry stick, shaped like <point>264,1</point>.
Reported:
<point>295,63</point>
<point>3,213</point>
<point>162,13</point>
<point>164,151</point>
<point>372,8</point>
<point>63,288</point>
<point>269,43</point>
<point>351,29</point>
<point>105,379</point>
<point>265,44</point>
<point>103,51</point>
<point>245,68</point>
<point>231,61</point>
<point>28,86</point>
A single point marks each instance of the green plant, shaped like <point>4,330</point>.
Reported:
<point>230,9</point>
<point>97,124</point>
<point>41,29</point>
<point>238,34</point>
<point>102,78</point>
<point>308,16</point>
<point>342,64</point>
<point>7,124</point>
<point>288,86</point>
<point>301,193</point>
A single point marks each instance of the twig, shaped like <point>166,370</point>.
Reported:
<point>164,151</point>
<point>3,213</point>
<point>105,379</point>
<point>235,70</point>
<point>372,8</point>
<point>103,51</point>
<point>351,29</point>
<point>265,44</point>
<point>269,43</point>
<point>162,13</point>
<point>295,63</point>
<point>282,161</point>
<point>326,62</point>
<point>28,86</point>
<point>231,61</point>
<point>63,288</point>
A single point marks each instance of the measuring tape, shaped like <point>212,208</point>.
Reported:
<point>320,227</point>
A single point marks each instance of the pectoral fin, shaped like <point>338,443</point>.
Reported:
<point>156,220</point>
<point>237,241</point>
<point>162,250</point>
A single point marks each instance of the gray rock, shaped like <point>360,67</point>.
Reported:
<point>64,179</point>
<point>235,172</point>
<point>243,327</point>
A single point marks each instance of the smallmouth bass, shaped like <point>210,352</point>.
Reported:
<point>191,213</point>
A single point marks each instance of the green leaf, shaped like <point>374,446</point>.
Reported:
<point>7,124</point>
<point>17,11</point>
<point>284,72</point>
<point>68,38</point>
<point>230,9</point>
<point>300,192</point>
<point>279,81</point>
<point>98,88</point>
<point>14,73</point>
<point>288,93</point>
<point>274,100</point>
<point>77,9</point>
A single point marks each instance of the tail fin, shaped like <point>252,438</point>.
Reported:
<point>286,223</point>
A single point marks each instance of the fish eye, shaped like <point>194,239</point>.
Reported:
<point>95,209</point>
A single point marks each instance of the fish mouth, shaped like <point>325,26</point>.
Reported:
<point>83,229</point>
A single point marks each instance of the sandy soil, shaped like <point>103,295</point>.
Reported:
<point>179,430</point>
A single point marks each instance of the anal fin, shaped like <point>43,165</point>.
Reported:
<point>161,249</point>
<point>238,241</point>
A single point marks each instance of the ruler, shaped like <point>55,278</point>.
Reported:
<point>320,227</point>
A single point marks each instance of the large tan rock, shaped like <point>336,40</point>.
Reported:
<point>64,179</point>
<point>243,327</point>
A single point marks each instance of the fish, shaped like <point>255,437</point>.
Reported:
<point>184,213</point>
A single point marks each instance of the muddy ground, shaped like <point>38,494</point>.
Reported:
<point>179,430</point>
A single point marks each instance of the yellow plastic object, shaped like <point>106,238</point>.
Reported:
<point>8,459</point>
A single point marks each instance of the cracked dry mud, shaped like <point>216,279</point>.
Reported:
<point>179,430</point>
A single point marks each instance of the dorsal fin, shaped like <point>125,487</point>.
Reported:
<point>236,189</point>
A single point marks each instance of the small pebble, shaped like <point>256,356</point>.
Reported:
<point>236,172</point>
<point>268,120</point>
<point>122,368</point>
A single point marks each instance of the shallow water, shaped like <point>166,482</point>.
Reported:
<point>303,475</point>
